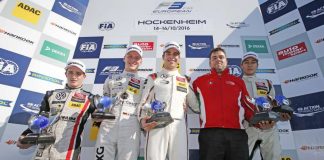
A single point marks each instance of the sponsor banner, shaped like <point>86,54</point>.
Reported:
<point>292,51</point>
<point>70,9</point>
<point>308,111</point>
<point>26,13</point>
<point>309,145</point>
<point>312,14</point>
<point>59,27</point>
<point>197,67</point>
<point>13,34</point>
<point>54,51</point>
<point>28,103</point>
<point>257,44</point>
<point>198,46</point>
<point>88,47</point>
<point>107,68</point>
<point>321,64</point>
<point>45,75</point>
<point>316,38</point>
<point>147,43</point>
<point>273,9</point>
<point>237,25</point>
<point>114,46</point>
<point>12,68</point>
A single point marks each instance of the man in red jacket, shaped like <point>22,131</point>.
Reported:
<point>224,105</point>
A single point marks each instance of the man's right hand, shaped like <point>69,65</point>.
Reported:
<point>148,126</point>
<point>22,146</point>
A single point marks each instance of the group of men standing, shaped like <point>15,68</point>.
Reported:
<point>222,100</point>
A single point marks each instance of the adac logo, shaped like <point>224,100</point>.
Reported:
<point>8,68</point>
<point>277,6</point>
<point>27,13</point>
<point>292,51</point>
<point>88,47</point>
<point>198,46</point>
<point>172,8</point>
<point>5,103</point>
<point>108,70</point>
<point>30,107</point>
<point>235,70</point>
<point>70,8</point>
<point>315,13</point>
<point>106,26</point>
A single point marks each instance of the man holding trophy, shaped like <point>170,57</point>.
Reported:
<point>119,137</point>
<point>270,145</point>
<point>163,109</point>
<point>68,110</point>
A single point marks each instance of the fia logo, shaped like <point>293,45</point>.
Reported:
<point>8,68</point>
<point>277,6</point>
<point>106,26</point>
<point>235,70</point>
<point>88,47</point>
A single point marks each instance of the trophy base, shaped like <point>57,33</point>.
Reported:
<point>103,115</point>
<point>35,138</point>
<point>265,116</point>
<point>283,109</point>
<point>163,119</point>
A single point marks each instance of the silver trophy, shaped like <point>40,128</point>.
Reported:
<point>265,111</point>
<point>158,115</point>
<point>103,105</point>
<point>38,124</point>
<point>282,105</point>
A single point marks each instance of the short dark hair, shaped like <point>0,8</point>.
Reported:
<point>216,50</point>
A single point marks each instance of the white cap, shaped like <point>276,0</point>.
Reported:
<point>76,63</point>
<point>249,55</point>
<point>171,44</point>
<point>135,48</point>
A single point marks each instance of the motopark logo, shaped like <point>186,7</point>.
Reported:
<point>315,13</point>
<point>312,148</point>
<point>88,47</point>
<point>70,8</point>
<point>292,51</point>
<point>302,78</point>
<point>257,46</point>
<point>237,25</point>
<point>45,78</point>
<point>55,51</point>
<point>277,6</point>
<point>172,8</point>
<point>198,46</point>
<point>235,70</point>
<point>16,36</point>
<point>146,46</point>
<point>63,28</point>
<point>308,111</point>
<point>27,13</point>
<point>106,26</point>
<point>281,28</point>
<point>114,46</point>
<point>5,103</point>
<point>8,68</point>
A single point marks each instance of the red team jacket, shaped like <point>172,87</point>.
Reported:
<point>223,100</point>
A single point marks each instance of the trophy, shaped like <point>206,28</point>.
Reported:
<point>282,105</point>
<point>158,115</point>
<point>38,124</point>
<point>265,114</point>
<point>103,105</point>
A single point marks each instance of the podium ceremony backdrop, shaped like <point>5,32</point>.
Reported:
<point>37,38</point>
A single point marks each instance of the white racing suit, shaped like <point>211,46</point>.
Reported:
<point>119,139</point>
<point>170,142</point>
<point>72,107</point>
<point>270,146</point>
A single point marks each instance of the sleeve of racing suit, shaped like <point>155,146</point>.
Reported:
<point>106,87</point>
<point>44,107</point>
<point>246,102</point>
<point>272,90</point>
<point>145,98</point>
<point>192,100</point>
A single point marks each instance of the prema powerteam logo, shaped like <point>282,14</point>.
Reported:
<point>277,6</point>
<point>5,103</point>
<point>146,46</point>
<point>173,8</point>
<point>23,39</point>
<point>45,78</point>
<point>8,67</point>
<point>281,28</point>
<point>292,51</point>
<point>106,26</point>
<point>55,51</point>
<point>302,78</point>
<point>27,12</point>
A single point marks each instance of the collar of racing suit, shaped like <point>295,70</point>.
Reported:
<point>214,72</point>
<point>69,88</point>
<point>129,74</point>
<point>172,73</point>
<point>249,77</point>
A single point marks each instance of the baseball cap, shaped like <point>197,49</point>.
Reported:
<point>249,55</point>
<point>76,63</point>
<point>135,48</point>
<point>171,44</point>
